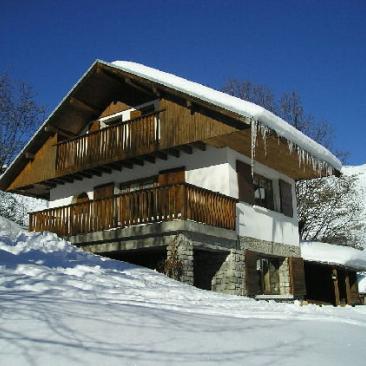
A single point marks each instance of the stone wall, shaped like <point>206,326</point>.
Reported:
<point>181,249</point>
<point>230,278</point>
<point>269,247</point>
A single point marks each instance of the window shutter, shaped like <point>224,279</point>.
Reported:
<point>353,297</point>
<point>252,278</point>
<point>172,176</point>
<point>297,276</point>
<point>245,182</point>
<point>286,198</point>
<point>104,191</point>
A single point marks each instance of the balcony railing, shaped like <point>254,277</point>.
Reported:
<point>117,142</point>
<point>163,203</point>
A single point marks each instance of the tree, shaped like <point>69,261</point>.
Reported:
<point>19,116</point>
<point>329,210</point>
<point>327,207</point>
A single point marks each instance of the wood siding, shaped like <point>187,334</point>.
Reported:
<point>41,168</point>
<point>165,203</point>
<point>182,125</point>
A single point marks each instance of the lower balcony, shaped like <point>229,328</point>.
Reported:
<point>163,203</point>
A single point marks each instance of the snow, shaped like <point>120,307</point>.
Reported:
<point>362,283</point>
<point>62,306</point>
<point>334,254</point>
<point>233,104</point>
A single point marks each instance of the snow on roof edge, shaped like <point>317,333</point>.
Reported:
<point>233,104</point>
<point>333,254</point>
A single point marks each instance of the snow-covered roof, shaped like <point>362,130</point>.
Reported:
<point>233,104</point>
<point>334,254</point>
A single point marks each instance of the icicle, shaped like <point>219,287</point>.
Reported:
<point>290,146</point>
<point>253,142</point>
<point>264,131</point>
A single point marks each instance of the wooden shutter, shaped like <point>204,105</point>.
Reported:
<point>286,198</point>
<point>353,296</point>
<point>252,276</point>
<point>297,276</point>
<point>172,176</point>
<point>104,191</point>
<point>245,182</point>
<point>94,126</point>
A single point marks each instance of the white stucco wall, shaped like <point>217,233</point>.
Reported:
<point>259,222</point>
<point>208,169</point>
<point>213,169</point>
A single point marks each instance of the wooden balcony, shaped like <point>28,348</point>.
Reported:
<point>114,143</point>
<point>163,203</point>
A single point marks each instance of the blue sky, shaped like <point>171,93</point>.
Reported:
<point>315,47</point>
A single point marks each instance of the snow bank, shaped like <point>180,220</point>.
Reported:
<point>62,306</point>
<point>233,104</point>
<point>334,254</point>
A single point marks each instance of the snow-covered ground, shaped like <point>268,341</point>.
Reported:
<point>61,306</point>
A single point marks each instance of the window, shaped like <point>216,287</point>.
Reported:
<point>136,185</point>
<point>263,192</point>
<point>268,270</point>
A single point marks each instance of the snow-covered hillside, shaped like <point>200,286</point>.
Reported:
<point>359,172</point>
<point>61,306</point>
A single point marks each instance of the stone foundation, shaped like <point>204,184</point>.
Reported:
<point>224,250</point>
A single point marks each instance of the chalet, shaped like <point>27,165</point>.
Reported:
<point>331,273</point>
<point>144,166</point>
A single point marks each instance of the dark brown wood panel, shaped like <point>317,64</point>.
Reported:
<point>252,277</point>
<point>172,176</point>
<point>286,198</point>
<point>104,191</point>
<point>297,276</point>
<point>245,182</point>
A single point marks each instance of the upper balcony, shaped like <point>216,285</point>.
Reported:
<point>120,141</point>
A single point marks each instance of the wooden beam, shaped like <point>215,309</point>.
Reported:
<point>93,172</point>
<point>48,184</point>
<point>200,145</point>
<point>67,179</point>
<point>187,149</point>
<point>138,162</point>
<point>105,169</point>
<point>174,152</point>
<point>127,164</point>
<point>29,156</point>
<point>150,158</point>
<point>115,166</point>
<point>129,82</point>
<point>156,91</point>
<point>58,181</point>
<point>161,155</point>
<point>60,131</point>
<point>85,174</point>
<point>83,105</point>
